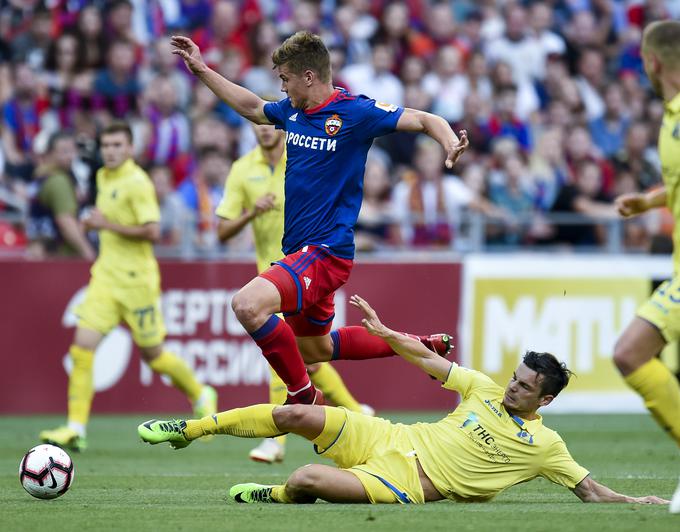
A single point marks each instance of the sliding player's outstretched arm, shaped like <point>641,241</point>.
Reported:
<point>244,102</point>
<point>410,349</point>
<point>437,128</point>
<point>590,491</point>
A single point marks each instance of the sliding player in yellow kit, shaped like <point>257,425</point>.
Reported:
<point>124,286</point>
<point>492,441</point>
<point>253,194</point>
<point>658,320</point>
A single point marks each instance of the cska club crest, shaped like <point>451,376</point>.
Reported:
<point>333,125</point>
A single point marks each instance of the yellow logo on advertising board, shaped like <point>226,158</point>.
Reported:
<point>578,320</point>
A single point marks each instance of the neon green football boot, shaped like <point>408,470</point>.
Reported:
<point>64,437</point>
<point>251,493</point>
<point>157,431</point>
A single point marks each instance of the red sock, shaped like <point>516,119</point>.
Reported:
<point>277,341</point>
<point>355,343</point>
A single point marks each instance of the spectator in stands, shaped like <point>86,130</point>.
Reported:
<point>31,46</point>
<point>90,29</point>
<point>512,191</point>
<point>427,203</point>
<point>579,147</point>
<point>259,77</point>
<point>116,88</point>
<point>591,81</point>
<point>119,25</point>
<point>446,84</point>
<point>609,130</point>
<point>175,218</point>
<point>53,227</point>
<point>203,192</point>
<point>515,47</point>
<point>639,158</point>
<point>542,36</point>
<point>375,226</point>
<point>168,130</point>
<point>503,120</point>
<point>375,79</point>
<point>68,83</point>
<point>585,196</point>
<point>21,122</point>
<point>163,63</point>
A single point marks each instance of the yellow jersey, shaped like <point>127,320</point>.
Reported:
<point>125,196</point>
<point>669,153</point>
<point>479,449</point>
<point>250,178</point>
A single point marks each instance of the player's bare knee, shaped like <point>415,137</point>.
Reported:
<point>245,310</point>
<point>291,417</point>
<point>304,479</point>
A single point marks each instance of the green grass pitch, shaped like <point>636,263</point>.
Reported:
<point>123,484</point>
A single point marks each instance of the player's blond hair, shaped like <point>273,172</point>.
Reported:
<point>304,51</point>
<point>663,39</point>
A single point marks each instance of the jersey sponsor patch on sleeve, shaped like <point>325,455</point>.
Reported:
<point>387,107</point>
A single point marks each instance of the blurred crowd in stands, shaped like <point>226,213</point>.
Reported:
<point>553,95</point>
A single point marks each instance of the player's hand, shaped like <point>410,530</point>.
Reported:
<point>371,321</point>
<point>94,220</point>
<point>631,204</point>
<point>189,52</point>
<point>264,204</point>
<point>455,151</point>
<point>650,499</point>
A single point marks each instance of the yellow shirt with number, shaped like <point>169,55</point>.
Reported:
<point>250,178</point>
<point>669,152</point>
<point>479,450</point>
<point>126,196</point>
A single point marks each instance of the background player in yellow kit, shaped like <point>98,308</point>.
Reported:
<point>124,286</point>
<point>658,320</point>
<point>493,440</point>
<point>253,194</point>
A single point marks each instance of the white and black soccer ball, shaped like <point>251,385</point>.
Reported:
<point>46,471</point>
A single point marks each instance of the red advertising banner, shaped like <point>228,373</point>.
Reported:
<point>37,327</point>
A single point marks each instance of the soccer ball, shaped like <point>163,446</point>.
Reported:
<point>46,471</point>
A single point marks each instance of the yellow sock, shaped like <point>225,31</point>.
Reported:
<point>329,381</point>
<point>179,372</point>
<point>250,422</point>
<point>278,393</point>
<point>80,385</point>
<point>661,392</point>
<point>279,495</point>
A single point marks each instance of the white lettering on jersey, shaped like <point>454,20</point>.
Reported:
<point>312,143</point>
<point>308,281</point>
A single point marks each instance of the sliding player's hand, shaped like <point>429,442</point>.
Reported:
<point>189,51</point>
<point>454,153</point>
<point>371,321</point>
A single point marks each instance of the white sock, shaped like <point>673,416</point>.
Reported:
<point>78,427</point>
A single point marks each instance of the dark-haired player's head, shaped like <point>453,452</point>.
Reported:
<point>661,51</point>
<point>535,383</point>
<point>303,64</point>
<point>116,144</point>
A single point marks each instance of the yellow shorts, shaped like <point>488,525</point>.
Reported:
<point>106,305</point>
<point>377,451</point>
<point>663,309</point>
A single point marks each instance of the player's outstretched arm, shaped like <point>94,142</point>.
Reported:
<point>407,348</point>
<point>590,491</point>
<point>437,128</point>
<point>630,205</point>
<point>243,101</point>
